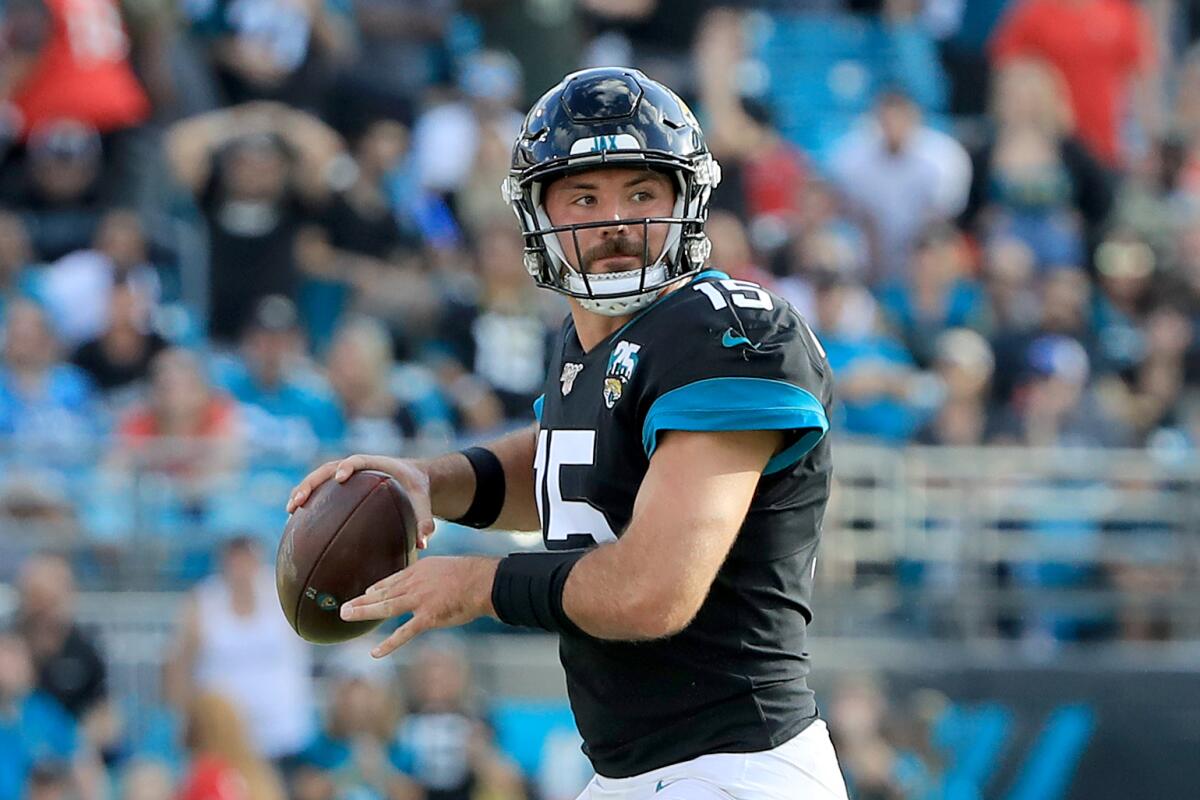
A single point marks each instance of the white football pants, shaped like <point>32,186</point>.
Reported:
<point>802,768</point>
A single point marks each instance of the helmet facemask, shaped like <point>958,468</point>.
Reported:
<point>684,251</point>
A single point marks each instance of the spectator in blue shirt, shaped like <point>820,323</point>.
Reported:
<point>34,729</point>
<point>284,405</point>
<point>935,295</point>
<point>43,401</point>
<point>880,390</point>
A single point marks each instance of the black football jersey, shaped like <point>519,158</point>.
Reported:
<point>716,354</point>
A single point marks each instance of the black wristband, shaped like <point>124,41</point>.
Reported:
<point>528,590</point>
<point>488,501</point>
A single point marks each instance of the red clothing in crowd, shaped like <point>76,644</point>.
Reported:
<point>83,71</point>
<point>1097,45</point>
<point>213,779</point>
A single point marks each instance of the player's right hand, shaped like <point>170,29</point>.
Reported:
<point>407,473</point>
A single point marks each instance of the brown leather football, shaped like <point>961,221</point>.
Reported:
<point>344,538</point>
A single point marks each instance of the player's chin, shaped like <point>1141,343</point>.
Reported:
<point>611,264</point>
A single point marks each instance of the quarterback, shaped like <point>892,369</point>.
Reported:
<point>678,470</point>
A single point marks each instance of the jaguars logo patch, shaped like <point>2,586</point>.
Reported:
<point>324,600</point>
<point>621,365</point>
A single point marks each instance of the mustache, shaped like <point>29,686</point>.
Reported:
<point>616,246</point>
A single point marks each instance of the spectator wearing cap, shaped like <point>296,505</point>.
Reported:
<point>257,171</point>
<point>1032,179</point>
<point>937,294</point>
<point>1053,405</point>
<point>1064,307</point>
<point>44,402</point>
<point>1106,52</point>
<point>896,175</point>
<point>233,643</point>
<point>283,402</point>
<point>36,733</point>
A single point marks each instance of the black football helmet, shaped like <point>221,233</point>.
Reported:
<point>612,117</point>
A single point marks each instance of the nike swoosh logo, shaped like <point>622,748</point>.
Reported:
<point>661,786</point>
<point>731,339</point>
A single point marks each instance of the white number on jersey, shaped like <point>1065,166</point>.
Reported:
<point>744,294</point>
<point>562,518</point>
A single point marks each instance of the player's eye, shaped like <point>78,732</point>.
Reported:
<point>643,196</point>
<point>585,200</point>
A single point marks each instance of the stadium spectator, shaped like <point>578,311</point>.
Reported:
<point>1032,179</point>
<point>145,779</point>
<point>233,641</point>
<point>223,763</point>
<point>71,62</point>
<point>1012,303</point>
<point>58,188</point>
<point>499,338</point>
<point>70,666</point>
<point>257,171</point>
<point>43,400</point>
<point>442,743</point>
<point>1054,406</point>
<point>858,714</point>
<point>401,51</point>
<point>382,413</point>
<point>272,50</point>
<point>767,174</point>
<point>896,175</point>
<point>284,405</point>
<point>1106,52</point>
<point>118,359</point>
<point>35,731</point>
<point>937,294</point>
<point>16,260</point>
<point>349,756</point>
<point>448,136</point>
<point>185,433</point>
<point>879,388</point>
<point>1064,307</point>
<point>964,363</point>
<point>360,256</point>
<point>77,288</point>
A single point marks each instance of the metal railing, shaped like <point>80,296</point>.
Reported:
<point>941,542</point>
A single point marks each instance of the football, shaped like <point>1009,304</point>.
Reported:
<point>343,539</point>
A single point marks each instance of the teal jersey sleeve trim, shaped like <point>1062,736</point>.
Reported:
<point>709,273</point>
<point>740,404</point>
<point>537,406</point>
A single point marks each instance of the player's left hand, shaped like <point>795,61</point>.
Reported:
<point>440,591</point>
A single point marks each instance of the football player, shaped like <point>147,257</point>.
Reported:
<point>678,470</point>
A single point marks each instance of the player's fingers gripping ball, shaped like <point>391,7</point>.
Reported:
<point>345,538</point>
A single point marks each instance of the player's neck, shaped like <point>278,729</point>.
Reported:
<point>593,328</point>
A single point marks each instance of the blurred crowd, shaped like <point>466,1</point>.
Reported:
<point>236,234</point>
<point>272,226</point>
